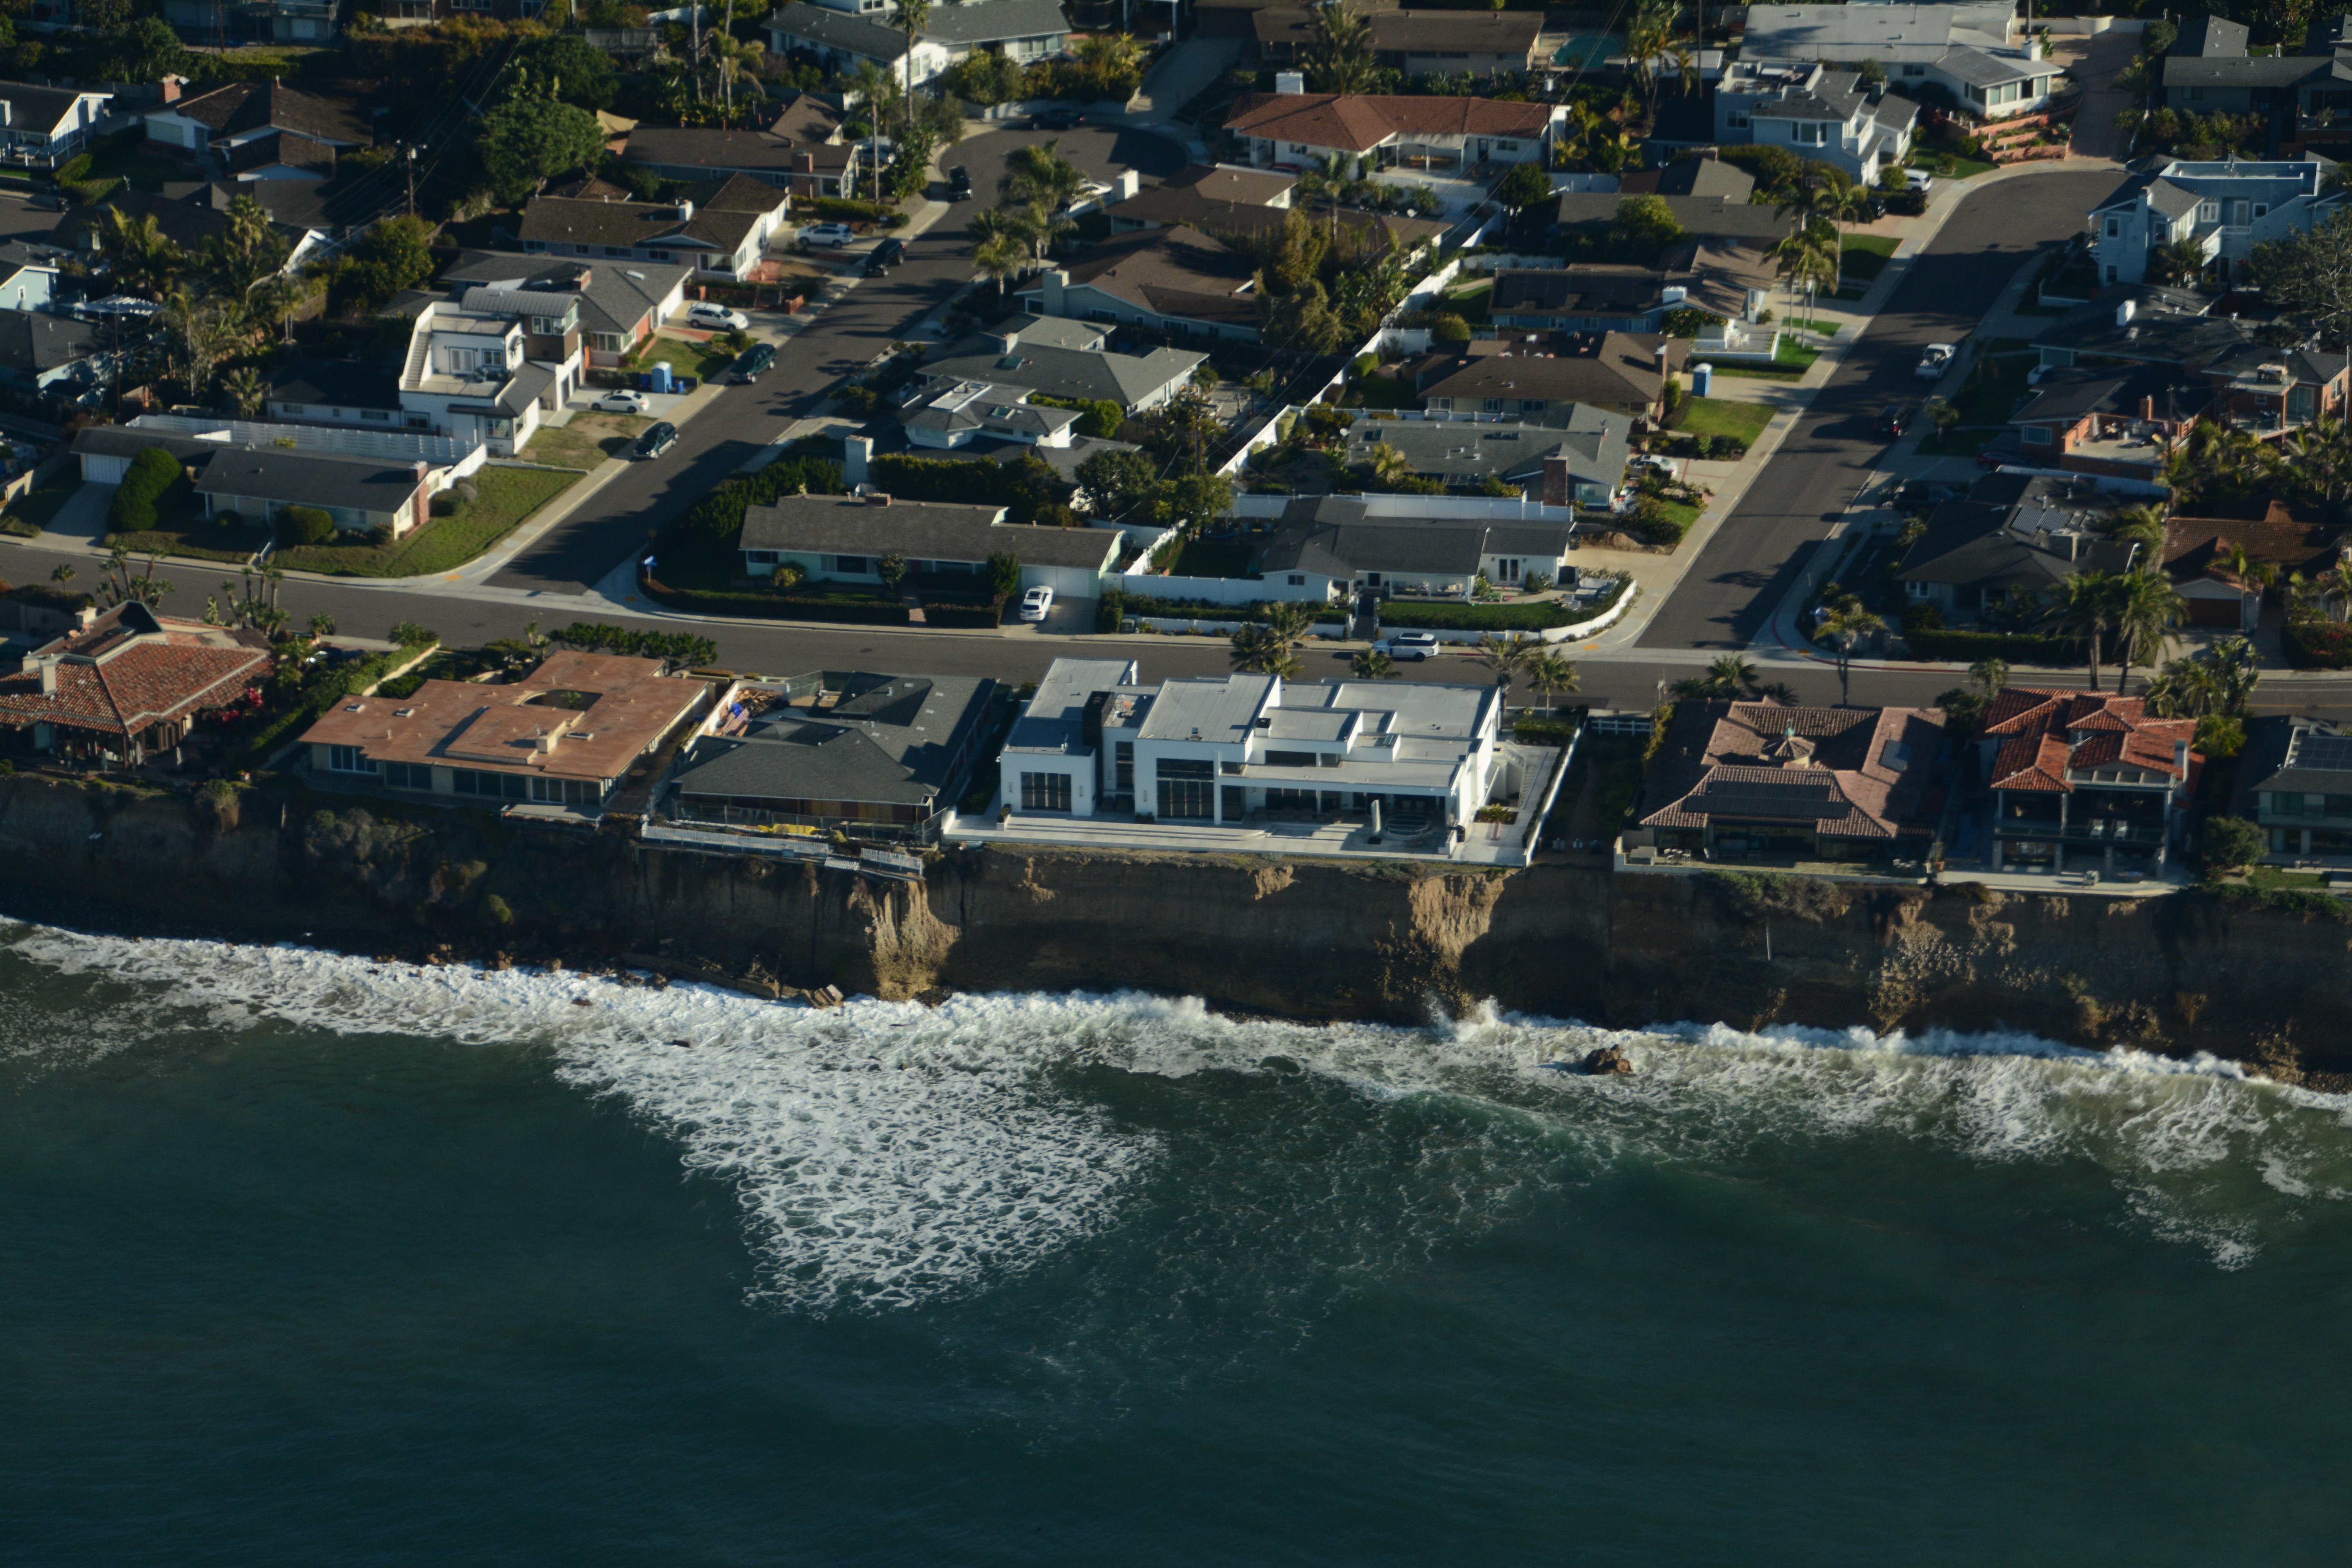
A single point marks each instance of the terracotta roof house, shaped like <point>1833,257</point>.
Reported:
<point>564,735</point>
<point>1435,134</point>
<point>2199,552</point>
<point>1750,780</point>
<point>126,683</point>
<point>1172,280</point>
<point>2085,777</point>
<point>1621,372</point>
<point>724,235</point>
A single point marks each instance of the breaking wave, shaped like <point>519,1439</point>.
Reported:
<point>889,1155</point>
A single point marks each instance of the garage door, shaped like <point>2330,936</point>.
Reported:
<point>2213,612</point>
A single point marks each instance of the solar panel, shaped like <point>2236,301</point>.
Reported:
<point>2329,753</point>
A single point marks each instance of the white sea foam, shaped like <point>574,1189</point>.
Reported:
<point>889,1153</point>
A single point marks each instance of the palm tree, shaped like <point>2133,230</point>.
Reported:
<point>2181,261</point>
<point>1846,625</point>
<point>322,625</point>
<point>1328,178</point>
<point>873,92</point>
<point>1848,203</point>
<point>1990,674</point>
<point>912,14</point>
<point>1389,466</point>
<point>2084,606</point>
<point>2146,608</point>
<point>136,251</point>
<point>1290,621</point>
<point>2141,525</point>
<point>1805,263</point>
<point>1506,656</point>
<point>1259,649</point>
<point>1038,173</point>
<point>1342,59</point>
<point>246,390</point>
<point>1551,673</point>
<point>1779,691</point>
<point>1371,664</point>
<point>1000,258</point>
<point>62,576</point>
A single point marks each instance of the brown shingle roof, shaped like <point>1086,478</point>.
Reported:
<point>1171,272</point>
<point>250,105</point>
<point>1615,370</point>
<point>1850,772</point>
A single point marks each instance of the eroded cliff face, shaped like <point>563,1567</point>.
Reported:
<point>1308,939</point>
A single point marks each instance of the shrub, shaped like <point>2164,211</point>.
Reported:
<point>2017,647</point>
<point>2228,843</point>
<point>496,911</point>
<point>146,487</point>
<point>840,209</point>
<point>408,634</point>
<point>301,525</point>
<point>2319,645</point>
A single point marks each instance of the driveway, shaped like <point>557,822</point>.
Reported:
<point>847,336</point>
<point>1729,595</point>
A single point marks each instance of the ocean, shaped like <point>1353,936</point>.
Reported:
<point>311,1259</point>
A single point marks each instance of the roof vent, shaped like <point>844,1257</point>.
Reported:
<point>2125,311</point>
<point>878,498</point>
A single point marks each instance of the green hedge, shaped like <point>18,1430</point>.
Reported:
<point>143,495</point>
<point>839,608</point>
<point>1536,617</point>
<point>1099,417</point>
<point>2015,647</point>
<point>1202,610</point>
<point>2318,645</point>
<point>838,209</point>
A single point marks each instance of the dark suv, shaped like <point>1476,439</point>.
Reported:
<point>1894,419</point>
<point>958,184</point>
<point>755,362</point>
<point>887,254</point>
<point>658,439</point>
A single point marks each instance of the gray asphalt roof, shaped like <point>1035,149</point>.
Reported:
<point>898,740</point>
<point>336,383</point>
<point>2069,392</point>
<point>921,530</point>
<point>2173,201</point>
<point>1332,536</point>
<point>2296,756</point>
<point>618,295</point>
<point>2209,36</point>
<point>34,341</point>
<point>1595,442</point>
<point>992,21</point>
<point>2263,70</point>
<point>840,30</point>
<point>1123,379</point>
<point>1710,216</point>
<point>1995,536</point>
<point>302,478</point>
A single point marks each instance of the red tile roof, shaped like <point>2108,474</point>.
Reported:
<point>130,670</point>
<point>2046,734</point>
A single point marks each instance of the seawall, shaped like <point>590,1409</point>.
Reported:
<point>1385,941</point>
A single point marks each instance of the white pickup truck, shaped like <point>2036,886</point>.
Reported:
<point>1935,361</point>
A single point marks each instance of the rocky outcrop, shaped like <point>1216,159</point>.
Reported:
<point>1385,940</point>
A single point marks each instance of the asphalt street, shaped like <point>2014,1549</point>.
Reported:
<point>1744,571</point>
<point>580,551</point>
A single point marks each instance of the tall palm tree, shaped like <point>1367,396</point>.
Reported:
<point>1847,204</point>
<point>1990,674</point>
<point>1551,673</point>
<point>1389,466</point>
<point>1259,649</point>
<point>873,92</point>
<point>912,14</point>
<point>1328,179</point>
<point>2146,608</point>
<point>1371,664</point>
<point>1508,656</point>
<point>2141,525</point>
<point>1001,258</point>
<point>1846,625</point>
<point>2084,606</point>
<point>135,250</point>
<point>246,390</point>
<point>1805,263</point>
<point>1341,60</point>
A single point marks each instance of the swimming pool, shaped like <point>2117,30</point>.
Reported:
<point>1585,51</point>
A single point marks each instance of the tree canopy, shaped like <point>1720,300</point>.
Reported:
<point>527,142</point>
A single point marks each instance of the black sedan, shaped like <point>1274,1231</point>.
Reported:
<point>658,439</point>
<point>1894,419</point>
<point>958,184</point>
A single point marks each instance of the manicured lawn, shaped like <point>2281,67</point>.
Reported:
<point>1682,512</point>
<point>1723,416</point>
<point>507,497</point>
<point>1470,303</point>
<point>1386,391</point>
<point>1965,169</point>
<point>1213,557</point>
<point>1867,256</point>
<point>34,511</point>
<point>700,360</point>
<point>587,440</point>
<point>121,159</point>
<point>1819,329</point>
<point>1791,361</point>
<point>2272,877</point>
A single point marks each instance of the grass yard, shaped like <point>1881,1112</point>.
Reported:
<point>33,513</point>
<point>2272,877</point>
<point>121,159</point>
<point>701,361</point>
<point>1386,391</point>
<point>1682,512</point>
<point>586,441</point>
<point>1819,329</point>
<point>507,497</point>
<point>1867,256</point>
<point>1470,303</point>
<point>1213,557</point>
<point>1791,361</point>
<point>1723,416</point>
<point>1956,168</point>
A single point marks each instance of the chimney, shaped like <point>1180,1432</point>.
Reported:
<point>686,212</point>
<point>87,617</point>
<point>878,498</point>
<point>49,678</point>
<point>804,162</point>
<point>1557,488</point>
<point>2126,312</point>
<point>855,451</point>
<point>1290,82</point>
<point>1007,341</point>
<point>1129,182</point>
<point>1056,281</point>
<point>171,86</point>
<point>2147,409</point>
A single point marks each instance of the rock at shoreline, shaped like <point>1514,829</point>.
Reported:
<point>1608,1059</point>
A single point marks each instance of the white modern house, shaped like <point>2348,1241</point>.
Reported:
<point>487,369</point>
<point>2226,208</point>
<point>1095,741</point>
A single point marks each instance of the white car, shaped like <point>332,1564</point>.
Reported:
<point>1917,179</point>
<point>1653,460</point>
<point>1935,361</point>
<point>1036,603</point>
<point>1414,645</point>
<point>621,403</point>
<point>718,318</point>
<point>828,234</point>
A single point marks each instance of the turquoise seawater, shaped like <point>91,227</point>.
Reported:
<point>306,1260</point>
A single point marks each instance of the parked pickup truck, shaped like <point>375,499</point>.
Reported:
<point>1935,359</point>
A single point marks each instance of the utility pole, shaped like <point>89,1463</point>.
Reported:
<point>411,147</point>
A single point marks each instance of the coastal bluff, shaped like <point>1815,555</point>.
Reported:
<point>1383,940</point>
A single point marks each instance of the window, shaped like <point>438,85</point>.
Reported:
<point>567,792</point>
<point>1298,579</point>
<point>848,565</point>
<point>2037,435</point>
<point>2114,229</point>
<point>291,408</point>
<point>618,250</point>
<point>1915,70</point>
<point>2209,211</point>
<point>490,786</point>
<point>348,759</point>
<point>407,776</point>
<point>1123,767</point>
<point>760,557</point>
<point>1186,788</point>
<point>1045,791</point>
<point>1531,405</point>
<point>383,414</point>
<point>1740,119</point>
<point>2194,93</point>
<point>2262,209</point>
<point>605,343</point>
<point>1441,404</point>
<point>1498,405</point>
<point>1288,759</point>
<point>1811,133</point>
